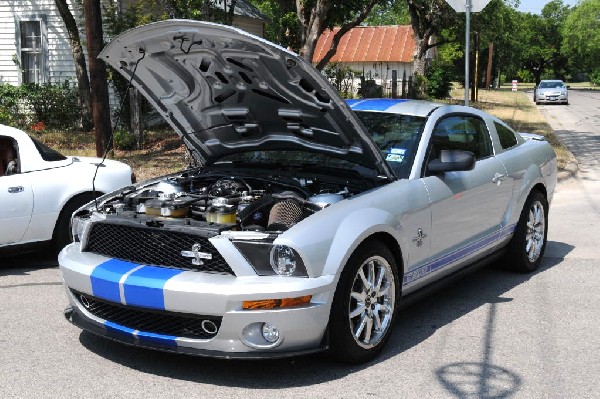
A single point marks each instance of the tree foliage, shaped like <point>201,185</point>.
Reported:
<point>581,34</point>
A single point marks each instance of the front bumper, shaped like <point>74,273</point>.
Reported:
<point>193,294</point>
<point>552,98</point>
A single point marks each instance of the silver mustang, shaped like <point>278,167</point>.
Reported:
<point>307,219</point>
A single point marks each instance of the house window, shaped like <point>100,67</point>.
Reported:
<point>31,51</point>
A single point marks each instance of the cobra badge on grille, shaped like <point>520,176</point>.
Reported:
<point>196,255</point>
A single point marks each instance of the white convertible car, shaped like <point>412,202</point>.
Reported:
<point>40,189</point>
<point>308,220</point>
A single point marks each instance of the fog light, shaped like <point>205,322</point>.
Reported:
<point>270,333</point>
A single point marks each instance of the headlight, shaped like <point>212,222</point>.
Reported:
<point>78,223</point>
<point>283,260</point>
<point>268,259</point>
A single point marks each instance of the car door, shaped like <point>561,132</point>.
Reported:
<point>467,206</point>
<point>16,206</point>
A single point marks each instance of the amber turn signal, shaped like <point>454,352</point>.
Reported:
<point>276,303</point>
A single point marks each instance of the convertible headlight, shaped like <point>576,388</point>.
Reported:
<point>268,259</point>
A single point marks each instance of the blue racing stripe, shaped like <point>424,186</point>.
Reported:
<point>106,276</point>
<point>144,287</point>
<point>375,104</point>
<point>119,330</point>
<point>166,340</point>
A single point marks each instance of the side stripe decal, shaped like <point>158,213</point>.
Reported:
<point>456,255</point>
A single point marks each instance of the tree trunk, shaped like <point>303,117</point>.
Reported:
<point>311,27</point>
<point>83,82</point>
<point>99,84</point>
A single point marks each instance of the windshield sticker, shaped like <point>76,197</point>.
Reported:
<point>395,155</point>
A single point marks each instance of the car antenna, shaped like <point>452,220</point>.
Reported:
<point>114,126</point>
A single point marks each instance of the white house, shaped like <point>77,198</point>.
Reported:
<point>34,45</point>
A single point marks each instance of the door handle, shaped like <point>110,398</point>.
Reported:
<point>498,177</point>
<point>16,189</point>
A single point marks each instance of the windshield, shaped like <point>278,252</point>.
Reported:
<point>47,153</point>
<point>397,136</point>
<point>551,85</point>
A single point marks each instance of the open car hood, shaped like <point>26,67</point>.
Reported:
<point>226,91</point>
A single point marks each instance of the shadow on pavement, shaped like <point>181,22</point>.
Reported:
<point>415,324</point>
<point>21,264</point>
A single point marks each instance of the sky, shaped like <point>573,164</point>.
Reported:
<point>535,6</point>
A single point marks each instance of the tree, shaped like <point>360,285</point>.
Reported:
<point>98,82</point>
<point>220,11</point>
<point>83,82</point>
<point>428,18</point>
<point>284,26</point>
<point>317,15</point>
<point>389,12</point>
<point>581,35</point>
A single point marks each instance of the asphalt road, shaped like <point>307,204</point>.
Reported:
<point>493,334</point>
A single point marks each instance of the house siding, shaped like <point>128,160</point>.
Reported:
<point>58,63</point>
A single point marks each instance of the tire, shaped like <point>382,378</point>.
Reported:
<point>527,246</point>
<point>365,304</point>
<point>62,230</point>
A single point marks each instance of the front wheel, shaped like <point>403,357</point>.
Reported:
<point>529,242</point>
<point>62,231</point>
<point>364,305</point>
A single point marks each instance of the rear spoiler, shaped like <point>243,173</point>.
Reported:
<point>532,136</point>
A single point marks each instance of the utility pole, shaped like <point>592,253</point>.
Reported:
<point>467,6</point>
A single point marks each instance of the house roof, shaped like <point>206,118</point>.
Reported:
<point>369,44</point>
<point>246,9</point>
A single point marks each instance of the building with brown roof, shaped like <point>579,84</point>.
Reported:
<point>372,51</point>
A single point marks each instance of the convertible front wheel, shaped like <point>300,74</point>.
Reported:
<point>365,304</point>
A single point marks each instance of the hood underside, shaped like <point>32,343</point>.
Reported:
<point>226,91</point>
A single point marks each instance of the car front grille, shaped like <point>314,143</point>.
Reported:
<point>163,322</point>
<point>154,246</point>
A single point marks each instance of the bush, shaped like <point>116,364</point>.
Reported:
<point>595,77</point>
<point>123,140</point>
<point>10,97</point>
<point>56,106</point>
<point>439,80</point>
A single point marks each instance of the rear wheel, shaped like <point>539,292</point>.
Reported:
<point>364,305</point>
<point>62,230</point>
<point>529,242</point>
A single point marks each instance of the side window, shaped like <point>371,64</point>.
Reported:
<point>8,157</point>
<point>506,136</point>
<point>461,132</point>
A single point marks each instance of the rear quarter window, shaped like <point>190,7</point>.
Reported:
<point>506,136</point>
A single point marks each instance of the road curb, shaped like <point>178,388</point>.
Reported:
<point>568,172</point>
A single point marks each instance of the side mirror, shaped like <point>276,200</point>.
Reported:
<point>452,161</point>
<point>568,87</point>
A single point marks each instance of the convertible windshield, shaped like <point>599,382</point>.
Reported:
<point>47,153</point>
<point>397,136</point>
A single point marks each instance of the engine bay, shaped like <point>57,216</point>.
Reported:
<point>228,199</point>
